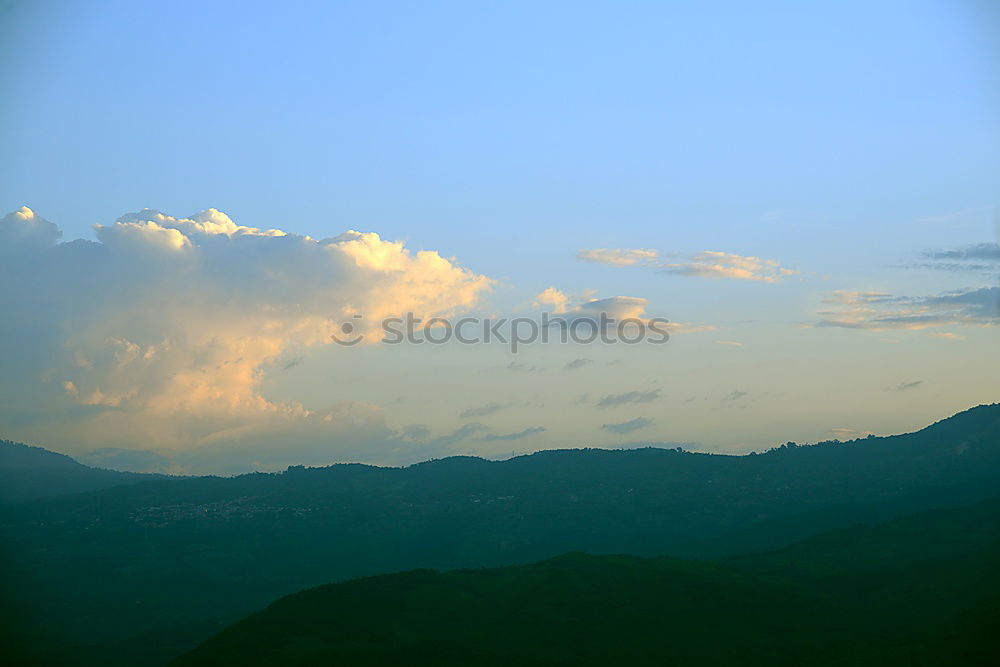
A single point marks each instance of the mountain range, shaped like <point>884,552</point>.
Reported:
<point>143,571</point>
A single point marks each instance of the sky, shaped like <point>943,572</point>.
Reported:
<point>199,195</point>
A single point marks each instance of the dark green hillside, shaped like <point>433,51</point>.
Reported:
<point>923,590</point>
<point>32,472</point>
<point>140,573</point>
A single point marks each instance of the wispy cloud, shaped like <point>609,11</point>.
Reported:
<point>878,310</point>
<point>523,367</point>
<point>629,426</point>
<point>971,258</point>
<point>483,410</point>
<point>976,251</point>
<point>733,396</point>
<point>715,264</point>
<point>628,397</point>
<point>514,436</point>
<point>414,432</point>
<point>578,363</point>
<point>620,256</point>
<point>705,264</point>
<point>459,434</point>
<point>906,386</point>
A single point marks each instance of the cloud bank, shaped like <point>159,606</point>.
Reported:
<point>165,317</point>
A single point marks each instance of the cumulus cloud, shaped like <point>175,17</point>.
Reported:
<point>620,256</point>
<point>552,297</point>
<point>164,316</point>
<point>25,230</point>
<point>613,400</point>
<point>715,264</point>
<point>628,426</point>
<point>879,311</point>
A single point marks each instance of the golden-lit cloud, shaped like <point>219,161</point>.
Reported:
<point>706,264</point>
<point>163,317</point>
<point>715,264</point>
<point>619,256</point>
<point>552,297</point>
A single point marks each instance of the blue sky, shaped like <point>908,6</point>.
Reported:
<point>843,140</point>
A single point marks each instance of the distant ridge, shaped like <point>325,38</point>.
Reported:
<point>205,551</point>
<point>28,472</point>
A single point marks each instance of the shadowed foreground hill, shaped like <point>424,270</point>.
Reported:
<point>141,573</point>
<point>28,472</point>
<point>923,590</point>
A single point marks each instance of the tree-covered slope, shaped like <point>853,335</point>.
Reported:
<point>143,572</point>
<point>28,473</point>
<point>923,590</point>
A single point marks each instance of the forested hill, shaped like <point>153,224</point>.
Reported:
<point>28,472</point>
<point>923,590</point>
<point>204,552</point>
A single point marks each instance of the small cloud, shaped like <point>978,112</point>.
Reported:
<point>522,367</point>
<point>905,386</point>
<point>552,297</point>
<point>734,396</point>
<point>715,264</point>
<point>415,432</point>
<point>578,363</point>
<point>629,426</point>
<point>876,311</point>
<point>975,257</point>
<point>688,327</point>
<point>482,411</point>
<point>514,436</point>
<point>458,435</point>
<point>628,397</point>
<point>729,342</point>
<point>582,399</point>
<point>617,307</point>
<point>946,335</point>
<point>619,256</point>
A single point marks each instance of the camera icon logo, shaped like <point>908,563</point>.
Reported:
<point>348,335</point>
